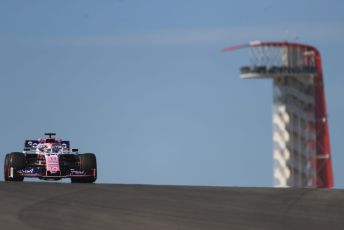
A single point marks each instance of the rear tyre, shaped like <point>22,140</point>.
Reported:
<point>88,163</point>
<point>15,160</point>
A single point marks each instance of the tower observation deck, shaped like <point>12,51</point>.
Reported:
<point>301,145</point>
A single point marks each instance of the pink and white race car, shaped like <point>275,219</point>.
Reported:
<point>50,158</point>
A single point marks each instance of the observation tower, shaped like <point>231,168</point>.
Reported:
<point>301,143</point>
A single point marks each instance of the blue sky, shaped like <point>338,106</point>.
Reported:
<point>145,86</point>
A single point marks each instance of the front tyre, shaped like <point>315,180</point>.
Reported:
<point>13,162</point>
<point>88,164</point>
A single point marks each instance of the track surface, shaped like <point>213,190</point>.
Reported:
<point>100,206</point>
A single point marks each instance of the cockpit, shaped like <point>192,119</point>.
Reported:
<point>52,148</point>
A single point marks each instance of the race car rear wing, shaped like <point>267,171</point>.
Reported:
<point>65,144</point>
<point>31,144</point>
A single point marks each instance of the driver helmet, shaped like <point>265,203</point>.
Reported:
<point>48,149</point>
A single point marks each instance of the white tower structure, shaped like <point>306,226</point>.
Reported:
<point>301,150</point>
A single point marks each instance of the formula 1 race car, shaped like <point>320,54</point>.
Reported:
<point>50,158</point>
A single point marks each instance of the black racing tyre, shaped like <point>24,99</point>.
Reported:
<point>6,168</point>
<point>16,160</point>
<point>88,163</point>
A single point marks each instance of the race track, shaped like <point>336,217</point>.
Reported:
<point>104,206</point>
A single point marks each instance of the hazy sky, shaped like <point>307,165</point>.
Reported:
<point>145,86</point>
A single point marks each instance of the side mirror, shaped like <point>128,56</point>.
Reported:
<point>75,150</point>
<point>27,149</point>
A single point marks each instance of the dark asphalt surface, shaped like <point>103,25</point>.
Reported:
<point>104,206</point>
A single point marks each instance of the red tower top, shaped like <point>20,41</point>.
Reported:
<point>265,54</point>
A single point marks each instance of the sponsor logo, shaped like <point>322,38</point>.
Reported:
<point>29,171</point>
<point>52,159</point>
<point>74,172</point>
